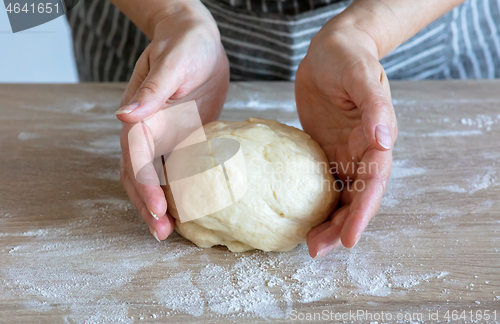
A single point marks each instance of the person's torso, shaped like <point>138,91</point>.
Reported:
<point>287,7</point>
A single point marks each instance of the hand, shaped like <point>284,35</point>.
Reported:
<point>344,103</point>
<point>185,61</point>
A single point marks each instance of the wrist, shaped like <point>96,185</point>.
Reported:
<point>375,25</point>
<point>184,14</point>
<point>347,32</point>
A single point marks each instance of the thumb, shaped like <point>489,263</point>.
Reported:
<point>370,92</point>
<point>159,85</point>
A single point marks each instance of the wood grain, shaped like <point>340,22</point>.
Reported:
<point>73,249</point>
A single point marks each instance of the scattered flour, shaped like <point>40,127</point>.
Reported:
<point>294,123</point>
<point>256,102</point>
<point>484,181</point>
<point>258,285</point>
<point>73,104</point>
<point>404,102</point>
<point>480,124</point>
<point>103,123</point>
<point>187,300</point>
<point>470,101</point>
<point>444,133</point>
<point>106,145</point>
<point>397,188</point>
<point>85,274</point>
<point>481,121</point>
<point>452,133</point>
<point>401,169</point>
<point>92,275</point>
<point>24,136</point>
<point>40,232</point>
<point>453,188</point>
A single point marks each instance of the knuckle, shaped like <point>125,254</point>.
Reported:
<point>157,49</point>
<point>379,103</point>
<point>149,87</point>
<point>360,68</point>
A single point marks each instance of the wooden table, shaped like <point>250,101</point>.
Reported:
<point>73,249</point>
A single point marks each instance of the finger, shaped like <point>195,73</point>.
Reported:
<point>160,228</point>
<point>387,89</point>
<point>162,81</point>
<point>138,151</point>
<point>326,237</point>
<point>140,72</point>
<point>167,228</point>
<point>144,154</point>
<point>153,198</point>
<point>367,86</point>
<point>370,188</point>
<point>134,195</point>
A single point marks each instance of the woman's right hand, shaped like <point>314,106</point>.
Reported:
<point>185,61</point>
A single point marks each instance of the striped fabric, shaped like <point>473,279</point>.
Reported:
<point>267,39</point>
<point>288,7</point>
<point>268,46</point>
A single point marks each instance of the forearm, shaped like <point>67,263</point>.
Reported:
<point>391,22</point>
<point>146,14</point>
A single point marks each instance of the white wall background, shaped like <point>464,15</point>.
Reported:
<point>40,54</point>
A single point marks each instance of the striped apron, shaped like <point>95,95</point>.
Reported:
<point>267,39</point>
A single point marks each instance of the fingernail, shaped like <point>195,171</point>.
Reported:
<point>153,214</point>
<point>383,136</point>
<point>357,240</point>
<point>321,253</point>
<point>127,109</point>
<point>153,231</point>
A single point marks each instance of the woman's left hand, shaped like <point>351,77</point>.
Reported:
<point>344,103</point>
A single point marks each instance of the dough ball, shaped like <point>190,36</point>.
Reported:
<point>290,190</point>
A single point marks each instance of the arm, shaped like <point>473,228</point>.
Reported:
<point>146,14</point>
<point>391,22</point>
